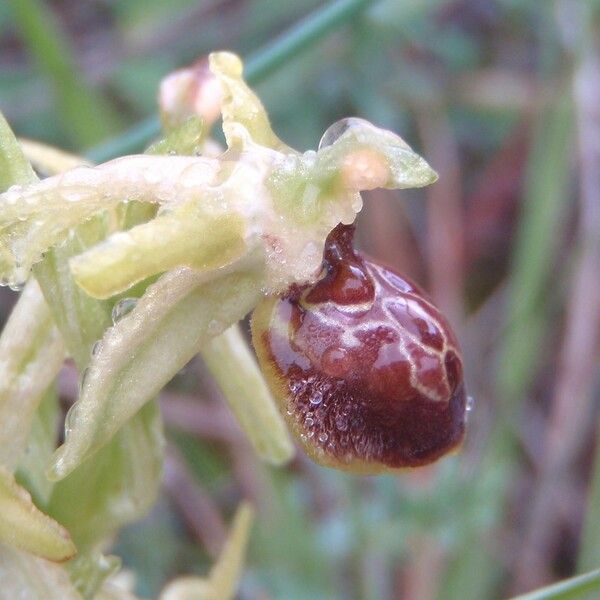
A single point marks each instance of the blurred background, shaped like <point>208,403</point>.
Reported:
<point>502,97</point>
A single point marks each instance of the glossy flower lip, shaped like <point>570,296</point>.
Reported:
<point>366,370</point>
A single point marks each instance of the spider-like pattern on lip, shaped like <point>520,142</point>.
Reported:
<point>366,370</point>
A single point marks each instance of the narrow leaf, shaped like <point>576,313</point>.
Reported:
<point>80,319</point>
<point>178,314</point>
<point>14,168</point>
<point>24,526</point>
<point>31,354</point>
<point>235,369</point>
<point>191,235</point>
<point>48,159</point>
<point>86,115</point>
<point>225,575</point>
<point>41,444</point>
<point>567,589</point>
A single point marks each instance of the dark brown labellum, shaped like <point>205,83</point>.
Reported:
<point>366,370</point>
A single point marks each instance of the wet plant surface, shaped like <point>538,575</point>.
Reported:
<point>175,455</point>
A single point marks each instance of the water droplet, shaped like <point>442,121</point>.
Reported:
<point>16,286</point>
<point>470,403</point>
<point>336,361</point>
<point>335,131</point>
<point>122,308</point>
<point>83,379</point>
<point>316,397</point>
<point>323,437</point>
<point>341,422</point>
<point>308,422</point>
<point>69,419</point>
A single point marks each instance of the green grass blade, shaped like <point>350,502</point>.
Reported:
<point>475,570</point>
<point>567,589</point>
<point>86,116</point>
<point>260,65</point>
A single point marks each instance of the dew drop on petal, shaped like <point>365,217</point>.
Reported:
<point>341,422</point>
<point>470,403</point>
<point>122,308</point>
<point>16,286</point>
<point>336,361</point>
<point>335,131</point>
<point>96,348</point>
<point>316,397</point>
<point>82,380</point>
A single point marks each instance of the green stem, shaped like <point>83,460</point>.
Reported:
<point>258,66</point>
<point>569,588</point>
<point>86,116</point>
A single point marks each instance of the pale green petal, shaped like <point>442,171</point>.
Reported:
<point>192,235</point>
<point>35,217</point>
<point>141,353</point>
<point>235,369</point>
<point>24,526</point>
<point>244,116</point>
<point>80,319</point>
<point>31,354</point>
<point>358,156</point>
<point>26,577</point>
<point>224,578</point>
<point>186,139</point>
<point>48,159</point>
<point>14,167</point>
